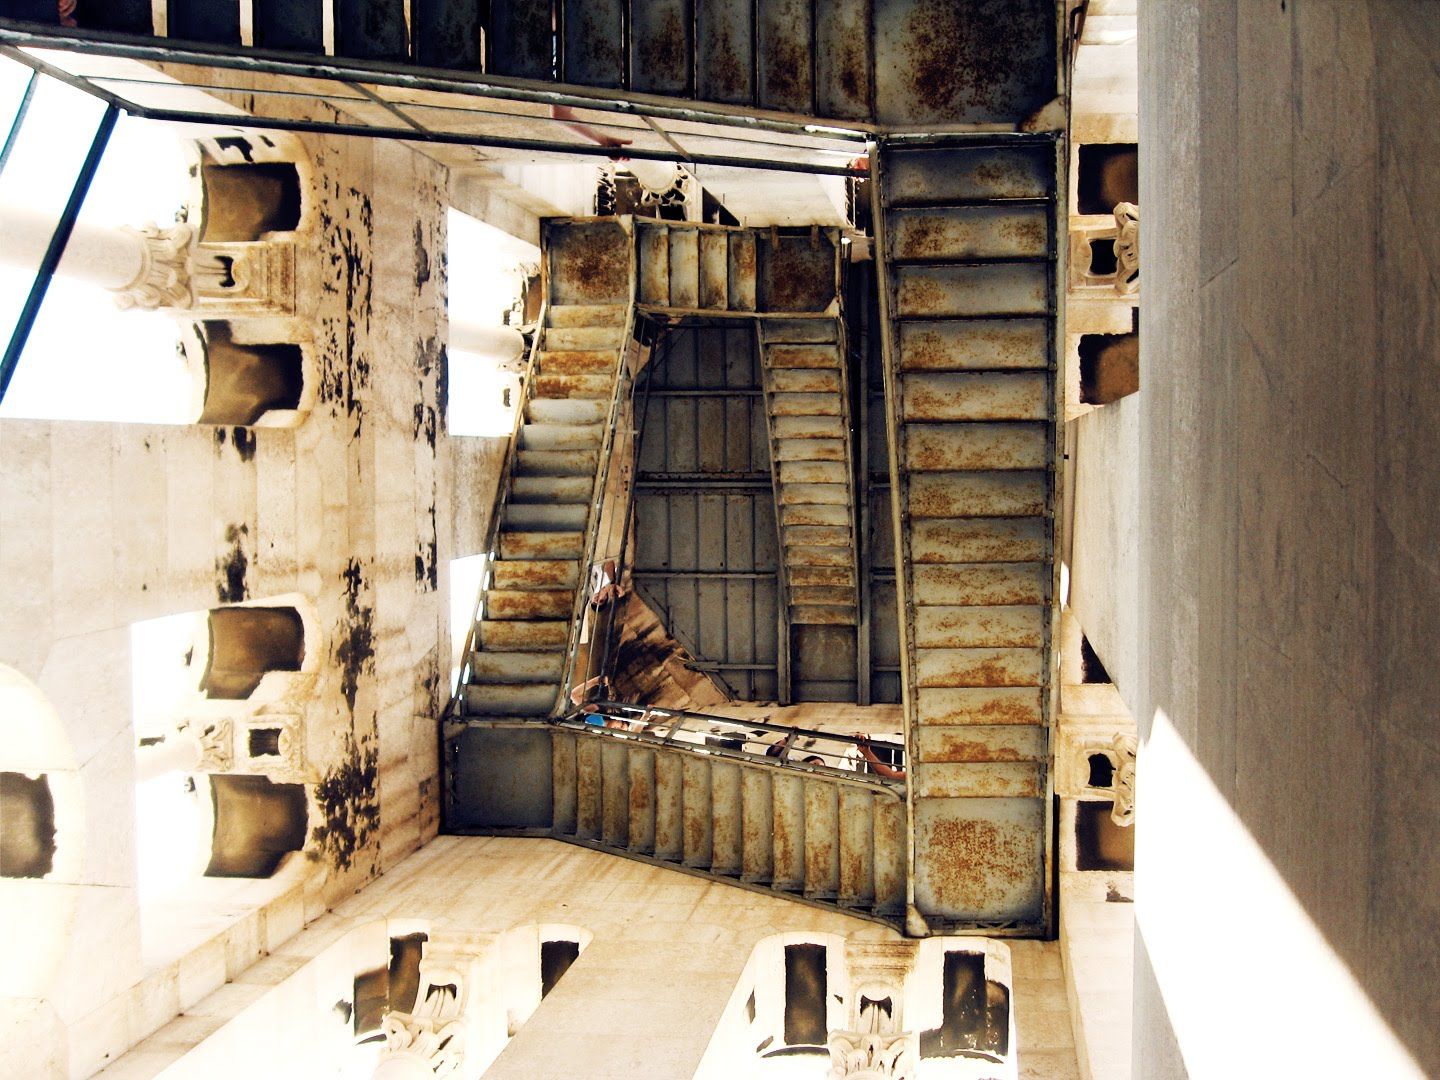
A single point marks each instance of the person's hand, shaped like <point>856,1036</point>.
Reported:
<point>861,737</point>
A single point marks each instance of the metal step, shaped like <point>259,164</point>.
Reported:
<point>534,574</point>
<point>977,494</point>
<point>947,584</point>
<point>582,338</point>
<point>529,604</point>
<point>806,404</point>
<point>510,699</point>
<point>816,494</point>
<point>986,290</point>
<point>813,472</point>
<point>516,667</point>
<point>833,516</point>
<point>556,463</point>
<point>591,362</point>
<point>979,780</point>
<point>1007,395</point>
<point>541,517</point>
<point>518,544</point>
<point>582,315</point>
<point>977,742</point>
<point>515,635</point>
<point>978,667</point>
<point>963,233</point>
<point>802,356</point>
<point>939,447</point>
<point>979,627</point>
<point>561,489</point>
<point>829,449</point>
<point>574,386</point>
<point>561,436</point>
<point>974,345</point>
<point>823,615</point>
<point>806,380</point>
<point>567,411</point>
<point>974,540</point>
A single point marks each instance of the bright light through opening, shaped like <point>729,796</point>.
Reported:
<point>486,273</point>
<point>86,359</point>
<point>467,575</point>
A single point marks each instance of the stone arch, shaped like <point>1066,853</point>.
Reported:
<point>245,376</point>
<point>36,753</point>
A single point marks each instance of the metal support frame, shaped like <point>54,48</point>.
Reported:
<point>25,321</point>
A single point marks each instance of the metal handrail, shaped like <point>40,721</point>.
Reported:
<point>624,386</point>
<point>660,726</point>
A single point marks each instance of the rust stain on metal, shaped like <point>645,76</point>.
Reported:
<point>727,74</point>
<point>919,295</point>
<point>1029,233</point>
<point>529,604</point>
<point>960,56</point>
<point>799,276</point>
<point>959,748</point>
<point>578,362</point>
<point>592,262</point>
<point>976,865</point>
<point>662,50</point>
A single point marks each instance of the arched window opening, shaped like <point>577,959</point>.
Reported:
<point>242,203</point>
<point>806,1026</point>
<point>248,642</point>
<point>1108,174</point>
<point>1102,771</point>
<point>257,823</point>
<point>974,1011</point>
<point>391,988</point>
<point>27,840</point>
<point>1101,843</point>
<point>246,383</point>
<point>556,956</point>
<point>488,274</point>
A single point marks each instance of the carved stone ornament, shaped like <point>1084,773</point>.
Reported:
<point>857,1055</point>
<point>1122,753</point>
<point>876,1048</point>
<point>217,744</point>
<point>432,1036</point>
<point>164,277</point>
<point>1127,248</point>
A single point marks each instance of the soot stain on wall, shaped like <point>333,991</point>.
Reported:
<point>345,361</point>
<point>355,651</point>
<point>233,566</point>
<point>348,803</point>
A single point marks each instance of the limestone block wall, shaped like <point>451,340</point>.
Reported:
<point>358,510</point>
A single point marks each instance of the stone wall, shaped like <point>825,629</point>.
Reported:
<point>1289,589</point>
<point>359,510</point>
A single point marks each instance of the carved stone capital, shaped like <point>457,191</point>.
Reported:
<point>217,744</point>
<point>430,1039</point>
<point>1122,753</point>
<point>164,277</point>
<point>1127,248</point>
<point>858,1055</point>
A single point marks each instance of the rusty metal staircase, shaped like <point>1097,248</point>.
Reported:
<point>546,513</point>
<point>807,399</point>
<point>965,238</point>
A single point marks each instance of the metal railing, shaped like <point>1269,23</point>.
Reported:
<point>624,392</point>
<point>824,753</point>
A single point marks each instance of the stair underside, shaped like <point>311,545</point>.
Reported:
<point>967,251</point>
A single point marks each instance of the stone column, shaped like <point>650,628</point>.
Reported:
<point>147,267</point>
<point>429,1041</point>
<point>502,345</point>
<point>877,1046</point>
<point>196,747</point>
